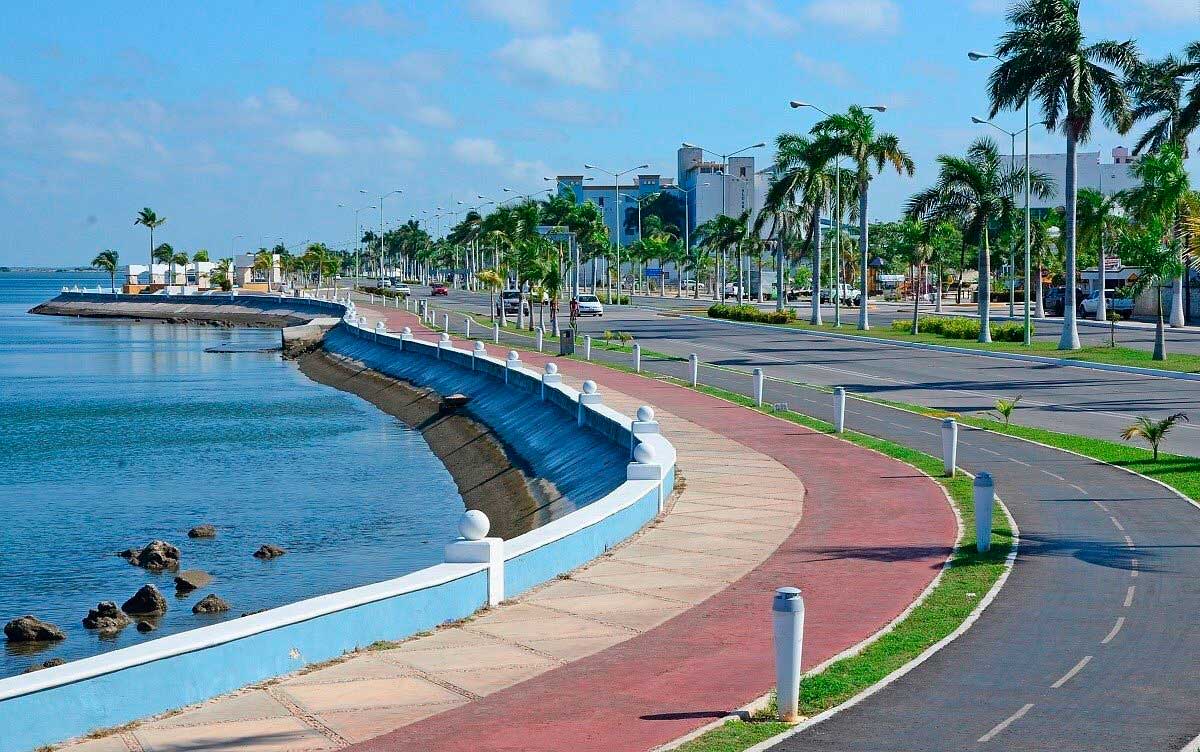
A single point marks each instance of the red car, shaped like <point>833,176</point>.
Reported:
<point>440,288</point>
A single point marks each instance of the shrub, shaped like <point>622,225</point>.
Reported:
<point>751,313</point>
<point>961,327</point>
<point>385,292</point>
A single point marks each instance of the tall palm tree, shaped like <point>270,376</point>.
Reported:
<point>180,259</point>
<point>264,262</point>
<point>107,260</point>
<point>979,187</point>
<point>853,135</point>
<point>199,257</point>
<point>148,219</point>
<point>165,254</point>
<point>1096,223</point>
<point>1045,57</point>
<point>722,233</point>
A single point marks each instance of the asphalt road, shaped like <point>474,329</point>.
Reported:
<point>1083,401</point>
<point>1092,643</point>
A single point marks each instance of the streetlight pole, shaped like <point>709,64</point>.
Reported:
<point>687,232</point>
<point>1012,165</point>
<point>616,176</point>
<point>381,198</point>
<point>724,170</point>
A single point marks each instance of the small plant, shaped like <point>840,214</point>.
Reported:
<point>1005,408</point>
<point>606,337</point>
<point>1152,431</point>
<point>1113,317</point>
<point>624,337</point>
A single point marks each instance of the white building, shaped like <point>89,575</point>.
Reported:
<point>1106,177</point>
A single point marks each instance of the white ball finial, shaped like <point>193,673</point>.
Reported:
<point>643,454</point>
<point>551,368</point>
<point>645,413</point>
<point>407,330</point>
<point>480,347</point>
<point>474,525</point>
<point>589,387</point>
<point>512,355</point>
<point>445,337</point>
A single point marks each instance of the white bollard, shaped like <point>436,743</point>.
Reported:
<point>496,332</point>
<point>381,328</point>
<point>479,352</point>
<point>445,322</point>
<point>512,361</point>
<point>587,347</point>
<point>467,325</point>
<point>985,493</point>
<point>551,376</point>
<point>839,409</point>
<point>473,547</point>
<point>540,335</point>
<point>758,386</point>
<point>443,342</point>
<point>589,396</point>
<point>787,612</point>
<point>949,446</point>
<point>694,361</point>
<point>637,358</point>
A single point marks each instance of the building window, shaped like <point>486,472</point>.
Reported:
<point>743,173</point>
<point>601,202</point>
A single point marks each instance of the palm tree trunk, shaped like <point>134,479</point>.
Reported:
<point>985,288</point>
<point>1040,311</point>
<point>1177,283</point>
<point>864,244</point>
<point>815,319</point>
<point>1160,340</point>
<point>962,270</point>
<point>1070,330</point>
<point>781,295</point>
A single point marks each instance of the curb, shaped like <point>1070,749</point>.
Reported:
<point>1061,362</point>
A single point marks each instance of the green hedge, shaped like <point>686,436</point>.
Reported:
<point>961,327</point>
<point>386,292</point>
<point>746,312</point>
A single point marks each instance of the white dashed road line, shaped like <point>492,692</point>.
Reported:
<point>1116,628</point>
<point>1067,676</point>
<point>1118,524</point>
<point>1005,723</point>
<point>1129,596</point>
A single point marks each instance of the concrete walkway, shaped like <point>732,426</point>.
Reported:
<point>649,642</point>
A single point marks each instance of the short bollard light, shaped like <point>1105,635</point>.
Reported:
<point>551,376</point>
<point>985,494</point>
<point>949,445</point>
<point>540,335</point>
<point>694,362</point>
<point>496,332</point>
<point>839,409</point>
<point>512,361</point>
<point>637,358</point>
<point>758,386</point>
<point>588,396</point>
<point>587,347</point>
<point>787,611</point>
<point>474,547</point>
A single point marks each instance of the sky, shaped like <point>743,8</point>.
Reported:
<point>257,120</point>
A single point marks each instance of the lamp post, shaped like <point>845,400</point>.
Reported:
<point>616,176</point>
<point>381,198</point>
<point>687,231</point>
<point>357,239</point>
<point>725,169</point>
<point>837,236</point>
<point>975,57</point>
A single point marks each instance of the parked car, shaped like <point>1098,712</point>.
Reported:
<point>1056,299</point>
<point>439,288</point>
<point>403,289</point>
<point>1121,306</point>
<point>590,305</point>
<point>509,299</point>
<point>846,293</point>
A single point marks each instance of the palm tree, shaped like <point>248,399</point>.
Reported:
<point>107,261</point>
<point>1096,222</point>
<point>148,219</point>
<point>1045,56</point>
<point>199,257</point>
<point>492,280</point>
<point>979,187</point>
<point>165,254</point>
<point>1152,431</point>
<point>264,262</point>
<point>853,135</point>
<point>222,274</point>
<point>722,233</point>
<point>180,259</point>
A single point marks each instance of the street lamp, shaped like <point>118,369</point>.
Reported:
<point>975,57</point>
<point>687,229</point>
<point>724,169</point>
<point>616,176</point>
<point>381,198</point>
<point>357,238</point>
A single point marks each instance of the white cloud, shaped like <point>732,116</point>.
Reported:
<point>578,58</point>
<point>434,116</point>
<point>16,110</point>
<point>99,144</point>
<point>522,15</point>
<point>482,151</point>
<point>370,15</point>
<point>856,16</point>
<point>658,20</point>
<point>530,172</point>
<point>315,142</point>
<point>283,101</point>
<point>571,112</point>
<point>422,65</point>
<point>401,143</point>
<point>827,71</point>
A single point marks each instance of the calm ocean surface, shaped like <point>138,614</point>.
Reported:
<point>117,433</point>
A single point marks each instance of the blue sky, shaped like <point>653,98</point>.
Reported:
<point>258,119</point>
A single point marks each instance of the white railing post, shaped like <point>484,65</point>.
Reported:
<point>467,326</point>
<point>949,445</point>
<point>645,466</point>
<point>496,332</point>
<point>694,362</point>
<point>551,376</point>
<point>588,396</point>
<point>445,322</point>
<point>587,347</point>
<point>479,352</point>
<point>839,409</point>
<point>787,612</point>
<point>637,358</point>
<point>758,386</point>
<point>512,361</point>
<point>539,339</point>
<point>473,547</point>
<point>985,494</point>
<point>443,343</point>
<point>405,336</point>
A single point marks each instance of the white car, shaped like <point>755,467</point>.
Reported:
<point>403,289</point>
<point>589,305</point>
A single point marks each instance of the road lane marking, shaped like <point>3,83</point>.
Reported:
<point>1116,628</point>
<point>989,451</point>
<point>1077,488</point>
<point>1118,524</point>
<point>1005,723</point>
<point>1133,567</point>
<point>1013,459</point>
<point>1067,676</point>
<point>1053,475</point>
<point>1129,596</point>
<point>1100,505</point>
<point>1128,541</point>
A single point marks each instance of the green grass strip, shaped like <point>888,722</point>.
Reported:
<point>967,580</point>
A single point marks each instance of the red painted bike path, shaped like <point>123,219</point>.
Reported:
<point>874,533</point>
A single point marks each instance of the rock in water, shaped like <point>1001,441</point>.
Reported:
<point>147,601</point>
<point>47,664</point>
<point>267,551</point>
<point>203,531</point>
<point>32,629</point>
<point>156,555</point>
<point>189,580</point>
<point>106,617</point>
<point>144,626</point>
<point>210,604</point>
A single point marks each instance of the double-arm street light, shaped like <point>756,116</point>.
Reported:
<point>975,57</point>
<point>381,198</point>
<point>837,240</point>
<point>724,273</point>
<point>357,237</point>
<point>616,176</point>
<point>523,196</point>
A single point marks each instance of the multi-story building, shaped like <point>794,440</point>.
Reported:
<point>605,196</point>
<point>1106,177</point>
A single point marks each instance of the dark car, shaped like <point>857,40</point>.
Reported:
<point>439,288</point>
<point>1056,299</point>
